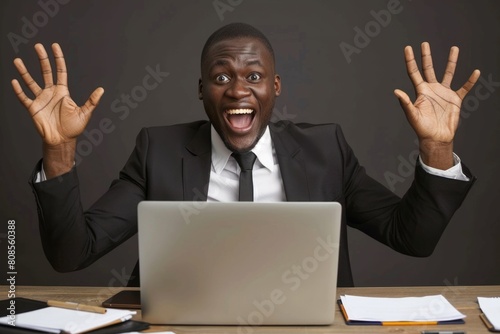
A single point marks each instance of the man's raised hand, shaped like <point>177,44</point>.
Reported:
<point>58,119</point>
<point>436,111</point>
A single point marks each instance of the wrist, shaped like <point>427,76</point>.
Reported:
<point>437,154</point>
<point>58,159</point>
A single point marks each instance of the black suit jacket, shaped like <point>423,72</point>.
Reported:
<point>173,163</point>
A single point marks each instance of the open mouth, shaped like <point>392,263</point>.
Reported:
<point>240,119</point>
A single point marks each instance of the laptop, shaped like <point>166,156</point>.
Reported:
<point>238,263</point>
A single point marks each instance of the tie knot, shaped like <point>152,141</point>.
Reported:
<point>245,160</point>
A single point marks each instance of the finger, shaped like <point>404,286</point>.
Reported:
<point>93,101</point>
<point>26,101</point>
<point>469,84</point>
<point>427,65</point>
<point>45,65</point>
<point>449,72</point>
<point>412,68</point>
<point>27,78</point>
<point>62,74</point>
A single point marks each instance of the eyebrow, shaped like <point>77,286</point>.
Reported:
<point>254,62</point>
<point>220,62</point>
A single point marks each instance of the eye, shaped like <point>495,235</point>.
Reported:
<point>222,78</point>
<point>254,77</point>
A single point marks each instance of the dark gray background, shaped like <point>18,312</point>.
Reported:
<point>110,43</point>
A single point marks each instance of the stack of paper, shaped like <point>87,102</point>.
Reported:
<point>56,320</point>
<point>399,311</point>
<point>491,310</point>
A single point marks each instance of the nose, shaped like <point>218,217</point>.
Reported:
<point>238,89</point>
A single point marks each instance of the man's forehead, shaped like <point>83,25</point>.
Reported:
<point>235,47</point>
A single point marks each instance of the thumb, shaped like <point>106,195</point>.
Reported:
<point>405,102</point>
<point>92,101</point>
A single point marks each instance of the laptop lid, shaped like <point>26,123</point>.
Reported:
<point>238,263</point>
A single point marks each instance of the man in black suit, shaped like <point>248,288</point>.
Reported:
<point>294,162</point>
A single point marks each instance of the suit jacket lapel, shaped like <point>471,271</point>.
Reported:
<point>291,162</point>
<point>196,167</point>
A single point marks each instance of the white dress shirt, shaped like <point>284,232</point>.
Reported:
<point>225,171</point>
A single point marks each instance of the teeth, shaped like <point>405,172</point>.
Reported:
<point>239,111</point>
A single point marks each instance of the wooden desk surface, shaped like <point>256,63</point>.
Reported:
<point>464,298</point>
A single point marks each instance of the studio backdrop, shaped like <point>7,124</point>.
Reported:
<point>339,61</point>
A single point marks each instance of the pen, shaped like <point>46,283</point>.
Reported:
<point>76,306</point>
<point>443,332</point>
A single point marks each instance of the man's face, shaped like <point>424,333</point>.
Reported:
<point>238,87</point>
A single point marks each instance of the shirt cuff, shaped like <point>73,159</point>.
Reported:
<point>454,172</point>
<point>40,175</point>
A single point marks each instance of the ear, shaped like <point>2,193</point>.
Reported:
<point>277,85</point>
<point>200,89</point>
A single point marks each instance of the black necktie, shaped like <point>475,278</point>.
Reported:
<point>246,161</point>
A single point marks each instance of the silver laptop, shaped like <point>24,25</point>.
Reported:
<point>238,263</point>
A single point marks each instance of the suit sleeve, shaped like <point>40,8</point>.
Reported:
<point>411,225</point>
<point>73,238</point>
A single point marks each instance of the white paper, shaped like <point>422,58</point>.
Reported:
<point>491,309</point>
<point>427,308</point>
<point>54,319</point>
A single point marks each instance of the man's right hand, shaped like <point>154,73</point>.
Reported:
<point>58,119</point>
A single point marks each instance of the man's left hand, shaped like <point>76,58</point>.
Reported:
<point>436,111</point>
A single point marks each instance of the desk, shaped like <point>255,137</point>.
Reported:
<point>464,298</point>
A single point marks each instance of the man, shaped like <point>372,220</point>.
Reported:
<point>294,162</point>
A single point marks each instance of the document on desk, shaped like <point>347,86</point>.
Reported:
<point>57,320</point>
<point>490,306</point>
<point>399,311</point>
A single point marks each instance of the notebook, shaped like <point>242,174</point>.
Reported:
<point>26,323</point>
<point>238,263</point>
<point>490,306</point>
<point>399,311</point>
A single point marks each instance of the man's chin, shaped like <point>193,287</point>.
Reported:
<point>240,148</point>
<point>241,145</point>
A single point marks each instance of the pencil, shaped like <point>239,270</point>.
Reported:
<point>76,306</point>
<point>408,323</point>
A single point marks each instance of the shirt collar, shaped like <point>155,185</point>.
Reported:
<point>221,154</point>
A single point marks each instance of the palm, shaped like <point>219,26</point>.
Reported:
<point>53,116</point>
<point>436,111</point>
<point>57,117</point>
